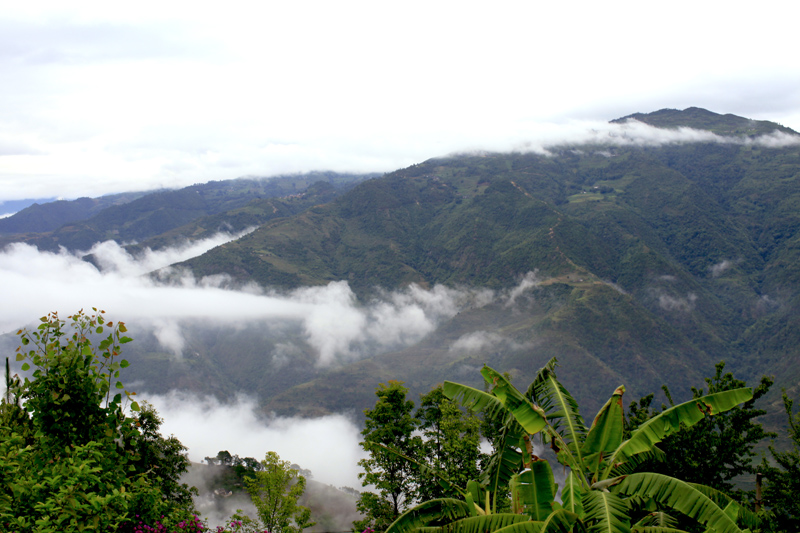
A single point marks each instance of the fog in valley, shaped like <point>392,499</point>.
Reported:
<point>330,319</point>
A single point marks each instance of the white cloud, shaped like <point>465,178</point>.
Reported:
<point>335,324</point>
<point>719,268</point>
<point>676,303</point>
<point>476,342</point>
<point>100,98</point>
<point>327,446</point>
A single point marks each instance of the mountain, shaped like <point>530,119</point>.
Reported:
<point>645,264</point>
<point>656,262</point>
<point>702,119</point>
<point>49,216</point>
<point>78,224</point>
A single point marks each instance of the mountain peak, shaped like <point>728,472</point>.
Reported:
<point>703,119</point>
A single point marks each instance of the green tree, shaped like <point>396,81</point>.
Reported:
<point>783,476</point>
<point>601,492</point>
<point>451,445</point>
<point>80,472</point>
<point>389,425</point>
<point>161,460</point>
<point>275,490</point>
<point>717,449</point>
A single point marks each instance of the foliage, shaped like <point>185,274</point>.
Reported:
<point>231,470</point>
<point>783,476</point>
<point>158,459</point>
<point>716,450</point>
<point>451,445</point>
<point>76,460</point>
<point>275,490</point>
<point>389,424</point>
<point>600,492</point>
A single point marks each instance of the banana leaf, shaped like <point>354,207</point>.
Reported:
<point>529,416</point>
<point>534,491</point>
<point>634,461</point>
<point>559,521</point>
<point>505,462</point>
<point>680,496</point>
<point>562,521</point>
<point>605,512</point>
<point>559,407</point>
<point>657,519</point>
<point>729,505</point>
<point>431,512</point>
<point>655,529</point>
<point>483,524</point>
<point>473,399</point>
<point>688,413</point>
<point>605,435</point>
<point>571,494</point>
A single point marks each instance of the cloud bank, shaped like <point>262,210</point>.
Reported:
<point>333,322</point>
<point>328,446</point>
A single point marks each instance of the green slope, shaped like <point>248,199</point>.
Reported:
<point>674,257</point>
<point>157,213</point>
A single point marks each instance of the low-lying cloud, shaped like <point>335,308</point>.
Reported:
<point>334,323</point>
<point>328,446</point>
<point>477,342</point>
<point>720,268</point>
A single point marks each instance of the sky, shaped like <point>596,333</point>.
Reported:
<point>104,97</point>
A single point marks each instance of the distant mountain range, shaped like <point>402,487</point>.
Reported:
<point>652,262</point>
<point>77,224</point>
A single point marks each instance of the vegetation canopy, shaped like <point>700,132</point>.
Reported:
<point>602,492</point>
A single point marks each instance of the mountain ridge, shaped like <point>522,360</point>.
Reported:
<point>652,263</point>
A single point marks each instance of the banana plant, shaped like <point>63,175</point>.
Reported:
<point>601,493</point>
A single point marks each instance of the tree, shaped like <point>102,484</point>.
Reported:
<point>601,492</point>
<point>783,476</point>
<point>274,491</point>
<point>390,424</point>
<point>88,466</point>
<point>158,459</point>
<point>715,450</point>
<point>451,444</point>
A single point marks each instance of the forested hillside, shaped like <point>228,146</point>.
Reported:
<point>653,262</point>
<point>135,217</point>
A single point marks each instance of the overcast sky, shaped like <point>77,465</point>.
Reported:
<point>108,96</point>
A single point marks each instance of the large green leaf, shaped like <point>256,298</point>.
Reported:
<point>630,464</point>
<point>605,512</point>
<point>679,495</point>
<point>738,512</point>
<point>506,459</point>
<point>562,521</point>
<point>655,529</point>
<point>605,435</point>
<point>483,524</point>
<point>559,407</point>
<point>529,416</point>
<point>472,398</point>
<point>431,512</point>
<point>571,494</point>
<point>688,413</point>
<point>504,463</point>
<point>534,490</point>
<point>656,519</point>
